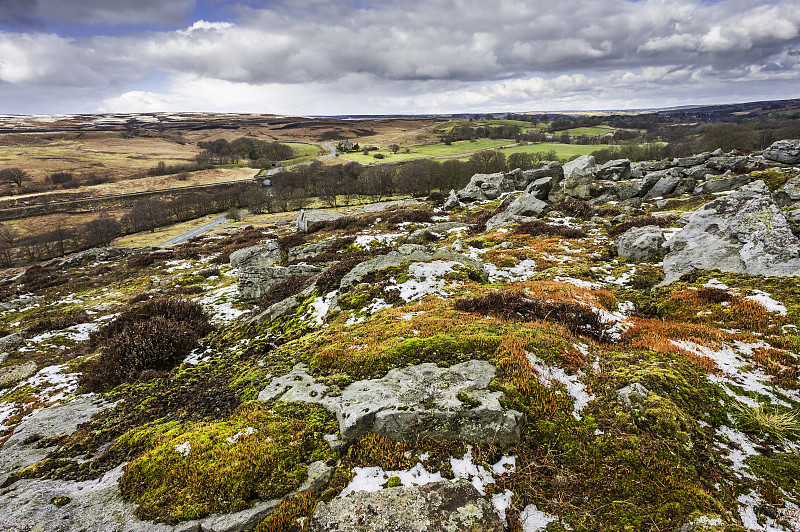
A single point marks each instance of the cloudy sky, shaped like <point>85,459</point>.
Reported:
<point>394,56</point>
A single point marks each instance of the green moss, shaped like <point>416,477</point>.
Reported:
<point>191,470</point>
<point>467,399</point>
<point>780,470</point>
<point>394,482</point>
<point>774,178</point>
<point>61,500</point>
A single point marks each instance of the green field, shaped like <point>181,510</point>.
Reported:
<point>422,151</point>
<point>303,153</point>
<point>594,131</point>
<point>563,151</point>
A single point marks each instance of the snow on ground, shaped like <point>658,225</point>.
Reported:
<point>6,411</point>
<point>738,456</point>
<point>219,304</point>
<point>575,388</point>
<point>373,478</point>
<point>764,299</point>
<point>367,241</point>
<point>734,369</point>
<point>501,503</point>
<point>758,521</point>
<point>464,468</point>
<point>78,333</point>
<point>320,307</point>
<point>580,283</point>
<point>57,384</point>
<point>522,271</point>
<point>424,278</point>
<point>532,519</point>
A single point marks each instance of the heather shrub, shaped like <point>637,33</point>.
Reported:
<point>575,208</point>
<point>540,228</point>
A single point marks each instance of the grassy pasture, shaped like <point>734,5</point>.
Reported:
<point>421,151</point>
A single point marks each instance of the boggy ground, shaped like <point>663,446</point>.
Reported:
<point>645,407</point>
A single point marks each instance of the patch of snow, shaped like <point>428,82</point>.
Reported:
<point>353,320</point>
<point>748,503</point>
<point>714,283</point>
<point>466,469</point>
<point>520,272</point>
<point>532,519</point>
<point>184,448</point>
<point>425,278</point>
<point>375,306</point>
<point>764,299</point>
<point>580,283</point>
<point>320,307</point>
<point>501,503</point>
<point>6,411</point>
<point>175,265</point>
<point>78,333</point>
<point>738,456</point>
<point>366,241</point>
<point>735,370</point>
<point>626,308</point>
<point>575,388</point>
<point>219,303</point>
<point>506,464</point>
<point>372,479</point>
<point>617,322</point>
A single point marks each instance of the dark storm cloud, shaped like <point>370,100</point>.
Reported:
<point>420,53</point>
<point>108,12</point>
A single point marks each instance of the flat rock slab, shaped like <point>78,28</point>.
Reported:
<point>10,374</point>
<point>744,232</point>
<point>21,448</point>
<point>436,507</point>
<point>419,399</point>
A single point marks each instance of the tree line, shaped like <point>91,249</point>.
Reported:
<point>221,151</point>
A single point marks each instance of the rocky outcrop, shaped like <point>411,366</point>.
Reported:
<point>487,187</point>
<point>406,253</point>
<point>255,282</point>
<point>744,232</point>
<point>436,507</point>
<point>722,184</point>
<point>616,170</point>
<point>451,202</point>
<point>90,256</point>
<point>442,229</point>
<point>578,178</point>
<point>262,256</point>
<point>421,399</point>
<point>385,205</point>
<point>784,151</point>
<point>11,374</point>
<point>22,449</point>
<point>306,218</point>
<point>640,243</point>
<point>789,193</point>
<point>525,205</point>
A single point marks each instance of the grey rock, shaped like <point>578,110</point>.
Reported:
<point>21,450</point>
<point>640,243</point>
<point>542,186</point>
<point>418,236</point>
<point>90,256</point>
<point>436,507</point>
<point>578,177</point>
<point>255,282</point>
<point>648,182</point>
<point>699,171</point>
<point>20,302</point>
<point>11,374</point>
<point>381,206</point>
<point>744,232</point>
<point>519,178</point>
<point>732,163</point>
<point>664,186</point>
<point>789,193</point>
<point>618,191</point>
<point>695,160</point>
<point>11,340</point>
<point>722,184</point>
<point>524,203</point>
<point>308,250</point>
<point>261,256</point>
<point>794,215</point>
<point>419,399</point>
<point>284,308</point>
<point>451,202</point>
<point>616,170</point>
<point>633,397</point>
<point>487,186</point>
<point>547,169</point>
<point>585,164</point>
<point>784,151</point>
<point>306,218</point>
<point>404,253</point>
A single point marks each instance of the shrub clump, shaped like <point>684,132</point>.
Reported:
<point>150,338</point>
<point>408,216</point>
<point>286,288</point>
<point>540,228</point>
<point>350,223</point>
<point>641,221</point>
<point>516,305</point>
<point>575,208</point>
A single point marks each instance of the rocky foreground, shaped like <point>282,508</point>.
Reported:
<point>576,347</point>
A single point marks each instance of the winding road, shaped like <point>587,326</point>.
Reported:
<point>221,219</point>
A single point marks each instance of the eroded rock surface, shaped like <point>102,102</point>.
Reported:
<point>744,232</point>
<point>784,151</point>
<point>641,243</point>
<point>421,399</point>
<point>436,507</point>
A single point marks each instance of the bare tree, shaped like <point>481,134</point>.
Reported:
<point>14,176</point>
<point>488,162</point>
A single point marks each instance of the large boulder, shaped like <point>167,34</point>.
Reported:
<point>722,184</point>
<point>663,186</point>
<point>744,232</point>
<point>578,177</point>
<point>524,205</point>
<point>616,170</point>
<point>487,186</point>
<point>789,193</point>
<point>408,253</point>
<point>451,202</point>
<point>261,256</point>
<point>306,218</point>
<point>91,256</point>
<point>784,151</point>
<point>435,507</point>
<point>641,243</point>
<point>381,206</point>
<point>439,230</point>
<point>255,282</point>
<point>421,399</point>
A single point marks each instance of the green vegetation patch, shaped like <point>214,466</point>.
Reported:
<point>194,469</point>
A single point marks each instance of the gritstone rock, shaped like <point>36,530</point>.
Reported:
<point>616,170</point>
<point>436,507</point>
<point>641,243</point>
<point>306,218</point>
<point>419,399</point>
<point>524,205</point>
<point>442,229</point>
<point>788,194</point>
<point>255,282</point>
<point>722,184</point>
<point>451,202</point>
<point>261,256</point>
<point>744,232</point>
<point>784,151</point>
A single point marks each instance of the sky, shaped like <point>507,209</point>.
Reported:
<point>328,57</point>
